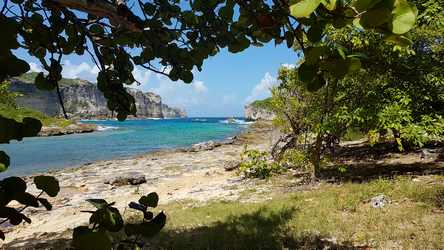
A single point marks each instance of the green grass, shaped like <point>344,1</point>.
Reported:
<point>19,113</point>
<point>29,78</point>
<point>332,216</point>
<point>262,104</point>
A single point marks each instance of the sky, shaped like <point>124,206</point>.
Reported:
<point>225,85</point>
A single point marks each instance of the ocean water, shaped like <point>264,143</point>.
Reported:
<point>114,140</point>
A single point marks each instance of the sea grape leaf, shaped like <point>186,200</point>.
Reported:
<point>303,8</point>
<point>48,184</point>
<point>87,239</point>
<point>307,72</point>
<point>27,199</point>
<point>98,203</point>
<point>403,17</point>
<point>375,17</point>
<point>108,218</point>
<point>45,203</point>
<point>329,4</point>
<point>147,229</point>
<point>4,161</point>
<point>314,34</point>
<point>362,5</point>
<point>150,200</point>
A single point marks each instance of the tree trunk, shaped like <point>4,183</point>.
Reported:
<point>316,157</point>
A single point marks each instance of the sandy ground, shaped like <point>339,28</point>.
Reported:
<point>174,175</point>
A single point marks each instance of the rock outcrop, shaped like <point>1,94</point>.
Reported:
<point>255,112</point>
<point>84,100</point>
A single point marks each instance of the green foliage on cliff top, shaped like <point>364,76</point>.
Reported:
<point>18,113</point>
<point>262,104</point>
<point>30,77</point>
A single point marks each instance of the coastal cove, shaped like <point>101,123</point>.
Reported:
<point>114,140</point>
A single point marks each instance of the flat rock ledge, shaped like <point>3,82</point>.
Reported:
<point>78,128</point>
<point>209,145</point>
<point>135,179</point>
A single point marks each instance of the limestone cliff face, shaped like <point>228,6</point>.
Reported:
<point>83,99</point>
<point>255,112</point>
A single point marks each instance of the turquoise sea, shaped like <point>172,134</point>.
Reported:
<point>115,140</point>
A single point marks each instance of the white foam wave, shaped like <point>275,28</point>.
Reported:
<point>105,128</point>
<point>235,121</point>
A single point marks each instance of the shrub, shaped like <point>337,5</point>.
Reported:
<point>296,159</point>
<point>255,164</point>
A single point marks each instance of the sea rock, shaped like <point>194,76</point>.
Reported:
<point>379,201</point>
<point>231,165</point>
<point>127,180</point>
<point>204,146</point>
<point>76,128</point>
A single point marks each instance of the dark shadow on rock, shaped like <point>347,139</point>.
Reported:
<point>263,229</point>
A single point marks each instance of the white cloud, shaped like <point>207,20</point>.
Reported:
<point>180,94</point>
<point>143,77</point>
<point>35,67</point>
<point>289,66</point>
<point>199,87</point>
<point>262,89</point>
<point>83,70</point>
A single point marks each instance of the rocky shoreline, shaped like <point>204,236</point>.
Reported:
<point>75,128</point>
<point>196,173</point>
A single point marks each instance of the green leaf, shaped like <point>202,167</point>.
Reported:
<point>86,239</point>
<point>13,185</point>
<point>307,73</point>
<point>313,54</point>
<point>122,116</point>
<point>45,203</point>
<point>27,199</point>
<point>150,200</point>
<point>316,84</point>
<point>147,229</point>
<point>108,218</point>
<point>329,4</point>
<point>363,5</point>
<point>31,127</point>
<point>314,34</point>
<point>375,18</point>
<point>4,161</point>
<point>42,83</point>
<point>403,17</point>
<point>399,40</point>
<point>48,184</point>
<point>354,64</point>
<point>303,8</point>
<point>98,203</point>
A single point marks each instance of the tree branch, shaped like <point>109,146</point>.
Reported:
<point>119,15</point>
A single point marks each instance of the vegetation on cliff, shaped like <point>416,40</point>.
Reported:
<point>9,109</point>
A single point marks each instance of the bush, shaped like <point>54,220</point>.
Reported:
<point>255,164</point>
<point>296,159</point>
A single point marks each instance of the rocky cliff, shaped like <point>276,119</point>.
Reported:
<point>83,99</point>
<point>259,110</point>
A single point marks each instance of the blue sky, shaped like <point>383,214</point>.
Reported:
<point>227,82</point>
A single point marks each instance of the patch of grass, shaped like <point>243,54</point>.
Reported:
<point>19,113</point>
<point>262,104</point>
<point>30,77</point>
<point>332,216</point>
<point>353,135</point>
